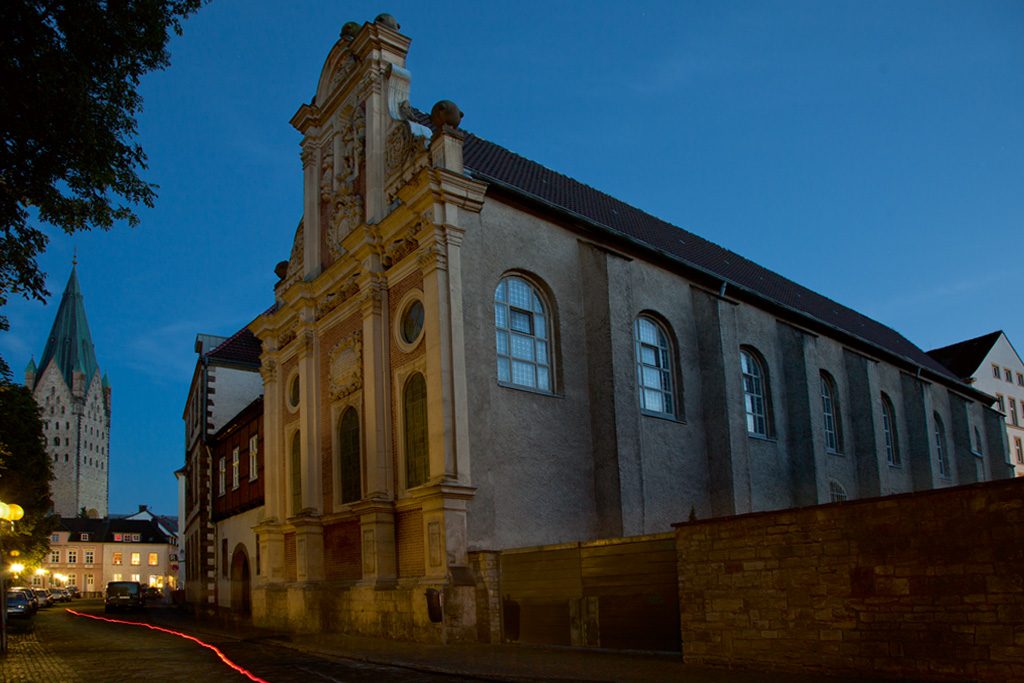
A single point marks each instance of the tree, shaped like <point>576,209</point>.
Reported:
<point>25,474</point>
<point>69,77</point>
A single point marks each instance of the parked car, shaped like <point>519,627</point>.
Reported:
<point>45,599</point>
<point>18,605</point>
<point>73,592</point>
<point>30,594</point>
<point>153,594</point>
<point>61,594</point>
<point>123,595</point>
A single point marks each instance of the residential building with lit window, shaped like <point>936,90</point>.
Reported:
<point>89,553</point>
<point>469,352</point>
<point>991,364</point>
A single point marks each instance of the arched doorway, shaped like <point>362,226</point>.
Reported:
<point>241,581</point>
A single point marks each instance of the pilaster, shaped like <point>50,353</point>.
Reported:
<point>379,474</point>
<point>309,384</point>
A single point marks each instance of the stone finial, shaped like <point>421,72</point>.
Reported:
<point>349,30</point>
<point>445,113</point>
<point>387,20</point>
<point>281,269</point>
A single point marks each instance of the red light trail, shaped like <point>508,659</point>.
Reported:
<point>221,655</point>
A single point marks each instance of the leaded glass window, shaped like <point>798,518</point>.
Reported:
<point>836,492</point>
<point>755,393</point>
<point>653,367</point>
<point>522,335</point>
<point>296,473</point>
<point>940,447</point>
<point>892,446</point>
<point>349,456</point>
<point>417,460</point>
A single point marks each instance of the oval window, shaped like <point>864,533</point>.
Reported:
<point>412,322</point>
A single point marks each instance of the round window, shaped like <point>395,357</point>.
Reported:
<point>293,392</point>
<point>412,322</point>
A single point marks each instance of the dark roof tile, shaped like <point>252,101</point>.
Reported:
<point>963,358</point>
<point>241,347</point>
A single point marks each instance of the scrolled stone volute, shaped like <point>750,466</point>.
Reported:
<point>387,20</point>
<point>281,269</point>
<point>445,113</point>
<point>349,30</point>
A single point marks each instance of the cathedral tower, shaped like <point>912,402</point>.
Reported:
<point>75,399</point>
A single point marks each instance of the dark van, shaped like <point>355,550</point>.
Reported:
<point>123,595</point>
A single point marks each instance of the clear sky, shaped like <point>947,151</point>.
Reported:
<point>870,150</point>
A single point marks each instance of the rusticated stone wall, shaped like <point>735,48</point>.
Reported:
<point>925,585</point>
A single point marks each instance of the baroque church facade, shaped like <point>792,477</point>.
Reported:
<point>74,397</point>
<point>469,352</point>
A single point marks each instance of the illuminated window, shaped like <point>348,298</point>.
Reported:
<point>72,556</point>
<point>136,559</point>
<point>117,558</point>
<point>154,559</point>
<point>136,577</point>
<point>522,335</point>
<point>136,537</point>
<point>85,537</point>
<point>221,476</point>
<point>118,577</point>
<point>653,367</point>
<point>254,449</point>
<point>89,556</point>
<point>417,461</point>
<point>892,444</point>
<point>55,556</point>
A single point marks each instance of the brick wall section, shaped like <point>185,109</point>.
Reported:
<point>328,341</point>
<point>342,552</point>
<point>925,585</point>
<point>409,535</point>
<point>290,566</point>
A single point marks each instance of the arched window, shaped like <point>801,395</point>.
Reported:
<point>756,399</point>
<point>417,460</point>
<point>349,456</point>
<point>836,492</point>
<point>941,452</point>
<point>892,444</point>
<point>977,442</point>
<point>522,334</point>
<point>653,367</point>
<point>296,472</point>
<point>830,413</point>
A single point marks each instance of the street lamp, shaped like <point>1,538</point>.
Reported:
<point>9,512</point>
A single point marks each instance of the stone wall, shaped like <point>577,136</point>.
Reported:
<point>926,585</point>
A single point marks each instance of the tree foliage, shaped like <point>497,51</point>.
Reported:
<point>69,77</point>
<point>25,474</point>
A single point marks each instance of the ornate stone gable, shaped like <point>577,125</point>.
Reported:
<point>342,162</point>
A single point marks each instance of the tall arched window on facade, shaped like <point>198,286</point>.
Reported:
<point>892,444</point>
<point>654,367</point>
<point>756,400</point>
<point>349,456</point>
<point>941,451</point>
<point>296,472</point>
<point>522,334</point>
<point>830,413</point>
<point>414,403</point>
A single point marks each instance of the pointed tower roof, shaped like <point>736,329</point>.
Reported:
<point>31,367</point>
<point>69,343</point>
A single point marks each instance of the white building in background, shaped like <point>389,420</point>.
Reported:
<point>89,553</point>
<point>991,364</point>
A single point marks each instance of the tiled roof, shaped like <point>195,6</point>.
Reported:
<point>963,358</point>
<point>241,347</point>
<point>103,530</point>
<point>494,164</point>
<point>70,343</point>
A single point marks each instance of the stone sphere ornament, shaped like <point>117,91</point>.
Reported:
<point>445,113</point>
<point>281,269</point>
<point>387,20</point>
<point>349,30</point>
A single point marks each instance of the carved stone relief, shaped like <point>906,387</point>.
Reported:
<point>338,296</point>
<point>345,361</point>
<point>338,183</point>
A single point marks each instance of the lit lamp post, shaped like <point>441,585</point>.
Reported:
<point>8,513</point>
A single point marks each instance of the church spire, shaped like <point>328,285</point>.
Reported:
<point>70,343</point>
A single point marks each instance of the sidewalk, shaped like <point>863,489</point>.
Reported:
<point>492,662</point>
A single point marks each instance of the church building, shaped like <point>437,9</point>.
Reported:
<point>75,399</point>
<point>468,352</point>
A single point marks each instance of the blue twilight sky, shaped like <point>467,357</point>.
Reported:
<point>870,150</point>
